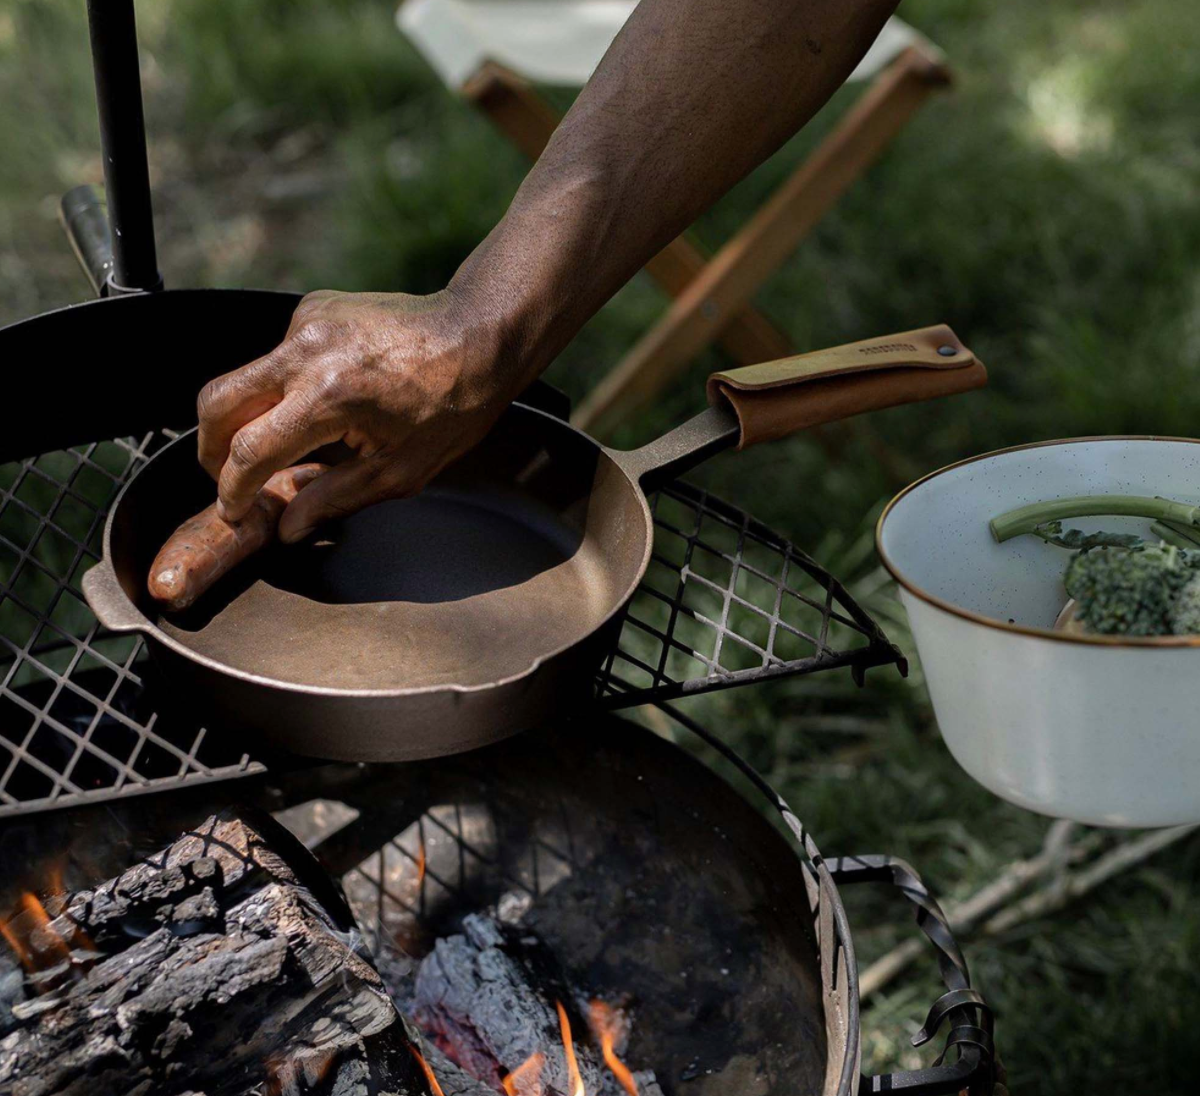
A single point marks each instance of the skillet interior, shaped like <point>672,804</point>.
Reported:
<point>518,550</point>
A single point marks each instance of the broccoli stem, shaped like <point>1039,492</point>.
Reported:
<point>1188,536</point>
<point>1172,536</point>
<point>1026,519</point>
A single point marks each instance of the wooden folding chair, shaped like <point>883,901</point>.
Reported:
<point>495,51</point>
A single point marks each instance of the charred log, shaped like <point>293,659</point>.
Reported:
<point>226,965</point>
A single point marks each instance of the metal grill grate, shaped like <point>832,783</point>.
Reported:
<point>725,602</point>
<point>74,721</point>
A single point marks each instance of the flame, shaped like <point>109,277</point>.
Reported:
<point>421,863</point>
<point>573,1078</point>
<point>9,932</point>
<point>434,1087</point>
<point>607,1023</point>
<point>526,1079</point>
<point>32,937</point>
<point>54,880</point>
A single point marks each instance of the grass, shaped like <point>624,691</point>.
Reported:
<point>1048,208</point>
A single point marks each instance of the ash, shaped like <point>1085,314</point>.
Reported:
<point>487,998</point>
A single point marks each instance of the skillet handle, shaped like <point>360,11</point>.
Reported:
<point>774,399</point>
<point>108,601</point>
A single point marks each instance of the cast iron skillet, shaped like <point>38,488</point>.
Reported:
<point>433,625</point>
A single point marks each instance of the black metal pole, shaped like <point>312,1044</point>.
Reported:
<point>123,145</point>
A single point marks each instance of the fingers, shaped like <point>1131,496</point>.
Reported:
<point>343,490</point>
<point>286,485</point>
<point>229,402</point>
<point>272,441</point>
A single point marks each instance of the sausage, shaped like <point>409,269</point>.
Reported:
<point>207,546</point>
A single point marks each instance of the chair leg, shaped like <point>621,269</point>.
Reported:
<point>513,106</point>
<point>523,116</point>
<point>731,278</point>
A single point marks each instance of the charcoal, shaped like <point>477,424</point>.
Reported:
<point>12,990</point>
<point>453,1080</point>
<point>490,993</point>
<point>222,966</point>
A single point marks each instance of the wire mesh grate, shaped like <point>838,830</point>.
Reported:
<point>725,602</point>
<point>75,724</point>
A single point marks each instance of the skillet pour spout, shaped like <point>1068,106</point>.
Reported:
<point>434,625</point>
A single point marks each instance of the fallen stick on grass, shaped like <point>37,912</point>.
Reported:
<point>1064,886</point>
<point>1072,885</point>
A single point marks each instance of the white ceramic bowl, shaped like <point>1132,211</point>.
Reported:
<point>1103,730</point>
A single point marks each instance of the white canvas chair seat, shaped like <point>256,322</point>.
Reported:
<point>558,42</point>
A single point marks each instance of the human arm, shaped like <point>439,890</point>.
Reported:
<point>691,96</point>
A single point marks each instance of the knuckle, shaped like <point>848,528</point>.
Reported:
<point>313,334</point>
<point>311,300</point>
<point>303,312</point>
<point>334,387</point>
<point>207,401</point>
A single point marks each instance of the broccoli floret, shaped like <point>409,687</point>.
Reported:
<point>1121,584</point>
<point>1130,591</point>
<point>1185,613</point>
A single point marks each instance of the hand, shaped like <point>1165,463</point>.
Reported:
<point>410,383</point>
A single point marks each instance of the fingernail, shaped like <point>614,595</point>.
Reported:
<point>226,514</point>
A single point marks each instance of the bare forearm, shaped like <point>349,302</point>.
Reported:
<point>690,98</point>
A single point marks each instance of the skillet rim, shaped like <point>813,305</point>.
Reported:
<point>153,632</point>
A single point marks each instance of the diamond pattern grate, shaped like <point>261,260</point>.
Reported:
<point>725,602</point>
<point>74,722</point>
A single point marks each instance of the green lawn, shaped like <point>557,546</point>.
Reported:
<point>1048,208</point>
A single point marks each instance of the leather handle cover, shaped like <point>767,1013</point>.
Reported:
<point>778,398</point>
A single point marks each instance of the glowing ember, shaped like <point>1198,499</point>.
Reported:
<point>434,1087</point>
<point>31,936</point>
<point>526,1079</point>
<point>607,1023</point>
<point>573,1077</point>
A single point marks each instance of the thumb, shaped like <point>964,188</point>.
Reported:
<point>343,490</point>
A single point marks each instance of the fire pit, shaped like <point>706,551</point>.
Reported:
<point>591,865</point>
<point>598,866</point>
<point>595,865</point>
<point>604,869</point>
